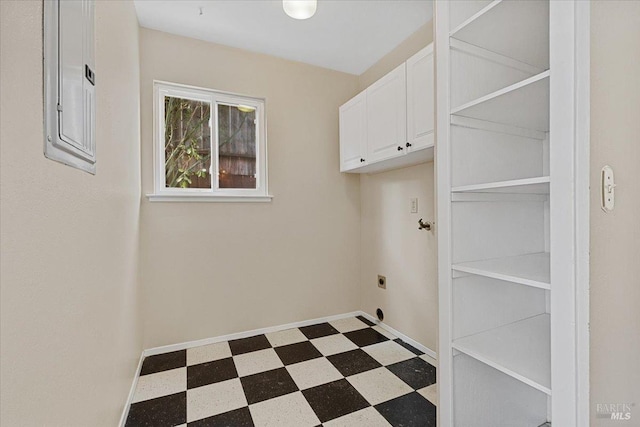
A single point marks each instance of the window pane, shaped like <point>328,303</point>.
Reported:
<point>237,146</point>
<point>187,143</point>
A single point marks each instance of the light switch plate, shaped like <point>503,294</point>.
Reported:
<point>414,205</point>
<point>607,189</point>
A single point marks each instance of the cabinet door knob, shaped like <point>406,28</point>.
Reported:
<point>400,148</point>
<point>361,160</point>
<point>408,144</point>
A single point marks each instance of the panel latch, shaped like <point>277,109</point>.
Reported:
<point>89,74</point>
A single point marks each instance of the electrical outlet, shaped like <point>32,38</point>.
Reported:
<point>382,282</point>
<point>414,205</point>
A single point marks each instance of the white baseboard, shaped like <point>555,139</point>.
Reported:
<point>426,350</point>
<point>125,412</point>
<point>206,341</point>
<point>238,335</point>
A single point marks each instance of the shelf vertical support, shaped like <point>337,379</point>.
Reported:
<point>443,214</point>
<point>568,138</point>
<point>583,163</point>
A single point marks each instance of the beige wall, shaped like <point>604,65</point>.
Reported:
<point>256,264</point>
<point>615,237</point>
<point>391,244</point>
<point>411,45</point>
<point>69,315</point>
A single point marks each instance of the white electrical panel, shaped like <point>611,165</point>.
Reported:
<point>69,81</point>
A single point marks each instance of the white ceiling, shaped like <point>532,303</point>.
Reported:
<point>344,35</point>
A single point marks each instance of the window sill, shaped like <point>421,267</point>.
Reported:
<point>207,198</point>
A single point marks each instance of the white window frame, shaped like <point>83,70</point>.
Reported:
<point>214,194</point>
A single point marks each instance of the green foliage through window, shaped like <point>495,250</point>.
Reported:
<point>187,138</point>
<point>188,148</point>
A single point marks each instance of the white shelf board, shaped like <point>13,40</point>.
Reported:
<point>520,350</point>
<point>516,29</point>
<point>473,50</point>
<point>530,269</point>
<point>497,127</point>
<point>524,104</point>
<point>538,185</point>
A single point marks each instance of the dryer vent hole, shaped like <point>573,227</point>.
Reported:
<point>380,314</point>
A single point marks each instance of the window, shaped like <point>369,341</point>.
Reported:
<point>208,145</point>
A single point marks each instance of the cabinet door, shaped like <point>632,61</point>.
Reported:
<point>420,100</point>
<point>76,96</point>
<point>353,133</point>
<point>387,116</point>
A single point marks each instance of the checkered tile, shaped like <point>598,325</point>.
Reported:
<point>348,372</point>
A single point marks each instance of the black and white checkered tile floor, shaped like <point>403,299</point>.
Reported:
<point>346,372</point>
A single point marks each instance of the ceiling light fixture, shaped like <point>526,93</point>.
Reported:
<point>300,9</point>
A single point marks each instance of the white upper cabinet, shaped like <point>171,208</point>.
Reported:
<point>387,116</point>
<point>390,124</point>
<point>353,133</point>
<point>420,100</point>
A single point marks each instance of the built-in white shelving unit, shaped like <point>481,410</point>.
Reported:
<point>507,210</point>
